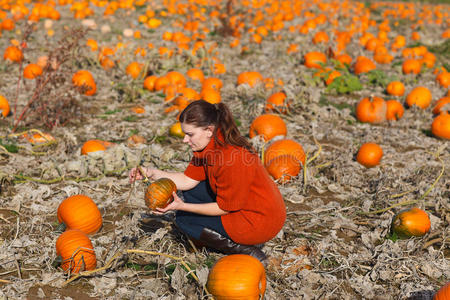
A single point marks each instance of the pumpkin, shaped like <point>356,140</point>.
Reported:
<point>177,79</point>
<point>283,167</point>
<point>443,293</point>
<point>195,74</point>
<point>277,102</point>
<point>441,105</point>
<point>282,147</point>
<point>252,78</point>
<point>134,69</point>
<point>76,251</point>
<point>4,106</point>
<point>83,79</point>
<point>92,146</point>
<point>395,88</point>
<point>371,110</point>
<point>419,96</point>
<point>175,130</point>
<point>159,193</point>
<point>80,212</point>
<point>314,59</point>
<point>441,126</point>
<point>363,65</point>
<point>411,222</point>
<point>394,110</point>
<point>443,79</point>
<point>267,126</point>
<point>13,54</point>
<point>32,71</point>
<point>149,82</point>
<point>411,66</point>
<point>212,82</point>
<point>211,95</point>
<point>237,276</point>
<point>369,155</point>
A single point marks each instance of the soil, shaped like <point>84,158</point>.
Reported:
<point>337,241</point>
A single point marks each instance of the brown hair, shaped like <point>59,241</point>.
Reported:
<point>202,114</point>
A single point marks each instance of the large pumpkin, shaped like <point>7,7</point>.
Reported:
<point>268,126</point>
<point>159,193</point>
<point>80,212</point>
<point>237,276</point>
<point>411,222</point>
<point>76,251</point>
<point>443,293</point>
<point>282,147</point>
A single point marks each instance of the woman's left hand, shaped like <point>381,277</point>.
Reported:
<point>176,204</point>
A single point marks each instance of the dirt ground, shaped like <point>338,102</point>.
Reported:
<point>336,243</point>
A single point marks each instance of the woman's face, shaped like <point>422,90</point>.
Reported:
<point>197,137</point>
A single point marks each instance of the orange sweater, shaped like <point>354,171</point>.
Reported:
<point>244,188</point>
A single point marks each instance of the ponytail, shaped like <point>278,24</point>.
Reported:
<point>201,114</point>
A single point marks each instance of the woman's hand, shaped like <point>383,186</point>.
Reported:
<point>176,204</point>
<point>136,173</point>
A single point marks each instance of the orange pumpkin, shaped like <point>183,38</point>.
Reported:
<point>282,147</point>
<point>395,88</point>
<point>443,293</point>
<point>92,146</point>
<point>237,276</point>
<point>195,74</point>
<point>159,193</point>
<point>175,130</point>
<point>283,167</point>
<point>443,79</point>
<point>267,126</point>
<point>419,96</point>
<point>134,69</point>
<point>441,126</point>
<point>80,212</point>
<point>76,251</point>
<point>371,110</point>
<point>13,54</point>
<point>4,106</point>
<point>363,65</point>
<point>441,105</point>
<point>369,155</point>
<point>212,82</point>
<point>177,79</point>
<point>411,66</point>
<point>149,82</point>
<point>411,222</point>
<point>211,95</point>
<point>277,102</point>
<point>32,71</point>
<point>84,80</point>
<point>394,110</point>
<point>315,59</point>
<point>252,78</point>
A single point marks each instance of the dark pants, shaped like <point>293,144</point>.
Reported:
<point>193,224</point>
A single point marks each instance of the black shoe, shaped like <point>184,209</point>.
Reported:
<point>215,240</point>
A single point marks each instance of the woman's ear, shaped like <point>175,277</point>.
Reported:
<point>210,130</point>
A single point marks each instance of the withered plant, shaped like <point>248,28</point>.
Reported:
<point>52,101</point>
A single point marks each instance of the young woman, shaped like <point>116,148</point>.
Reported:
<point>229,203</point>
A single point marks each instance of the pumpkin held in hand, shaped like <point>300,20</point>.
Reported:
<point>75,251</point>
<point>159,193</point>
<point>237,276</point>
<point>411,222</point>
<point>80,212</point>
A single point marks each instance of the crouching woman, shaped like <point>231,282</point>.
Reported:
<point>229,203</point>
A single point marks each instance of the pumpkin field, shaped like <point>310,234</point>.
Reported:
<point>346,102</point>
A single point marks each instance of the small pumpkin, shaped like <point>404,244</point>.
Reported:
<point>411,222</point>
<point>363,65</point>
<point>371,110</point>
<point>4,106</point>
<point>84,80</point>
<point>395,88</point>
<point>92,146</point>
<point>419,96</point>
<point>394,110</point>
<point>441,105</point>
<point>237,276</point>
<point>315,59</point>
<point>13,54</point>
<point>32,71</point>
<point>283,167</point>
<point>277,102</point>
<point>252,78</point>
<point>441,125</point>
<point>268,126</point>
<point>80,212</point>
<point>443,293</point>
<point>175,130</point>
<point>134,69</point>
<point>76,251</point>
<point>369,155</point>
<point>159,193</point>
